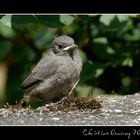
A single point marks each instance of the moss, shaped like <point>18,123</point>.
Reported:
<point>69,103</point>
<point>76,103</point>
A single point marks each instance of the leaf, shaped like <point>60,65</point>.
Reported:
<point>50,20</point>
<point>102,49</point>
<point>66,19</point>
<point>106,19</point>
<point>123,59</point>
<point>102,40</point>
<point>5,31</point>
<point>43,38</point>
<point>6,20</point>
<point>5,47</point>
<point>83,90</point>
<point>91,71</point>
<point>127,62</point>
<point>122,18</point>
<point>117,24</point>
<point>24,22</point>
<point>98,72</point>
<point>132,37</point>
<point>94,30</point>
<point>98,91</point>
<point>126,81</point>
<point>87,90</point>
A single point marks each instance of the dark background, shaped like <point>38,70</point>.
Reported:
<point>61,6</point>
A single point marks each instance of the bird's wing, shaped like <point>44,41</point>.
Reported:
<point>44,69</point>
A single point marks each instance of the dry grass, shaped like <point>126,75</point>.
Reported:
<point>70,103</point>
<point>77,103</point>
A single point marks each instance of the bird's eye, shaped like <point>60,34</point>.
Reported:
<point>60,46</point>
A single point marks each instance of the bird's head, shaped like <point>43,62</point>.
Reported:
<point>63,45</point>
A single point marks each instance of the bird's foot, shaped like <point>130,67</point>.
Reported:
<point>62,101</point>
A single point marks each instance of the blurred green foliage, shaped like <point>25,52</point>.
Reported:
<point>108,44</point>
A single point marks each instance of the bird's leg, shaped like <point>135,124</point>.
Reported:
<point>60,101</point>
<point>73,87</point>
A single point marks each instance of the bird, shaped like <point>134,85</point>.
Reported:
<point>56,74</point>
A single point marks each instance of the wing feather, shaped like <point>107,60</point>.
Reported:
<point>45,68</point>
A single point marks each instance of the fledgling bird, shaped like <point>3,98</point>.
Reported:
<point>56,75</point>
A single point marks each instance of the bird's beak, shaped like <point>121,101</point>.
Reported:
<point>73,46</point>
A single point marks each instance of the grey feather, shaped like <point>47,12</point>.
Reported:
<point>42,71</point>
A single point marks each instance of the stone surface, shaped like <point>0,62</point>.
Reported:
<point>116,110</point>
